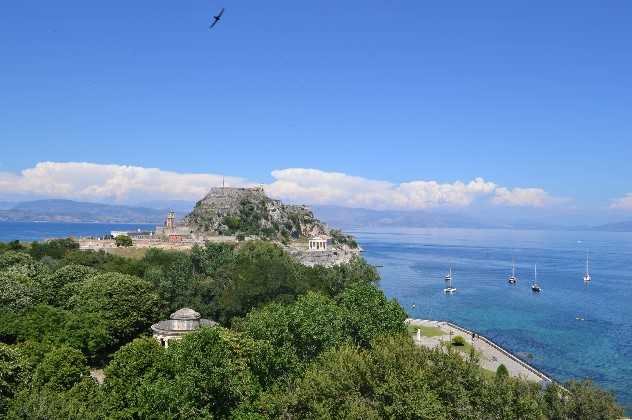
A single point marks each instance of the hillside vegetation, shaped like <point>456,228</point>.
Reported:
<point>295,342</point>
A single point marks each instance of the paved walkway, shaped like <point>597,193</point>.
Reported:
<point>491,355</point>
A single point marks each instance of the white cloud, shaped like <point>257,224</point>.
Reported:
<point>318,187</point>
<point>622,203</point>
<point>129,184</point>
<point>524,197</point>
<point>96,182</point>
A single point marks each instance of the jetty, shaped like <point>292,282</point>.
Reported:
<point>491,355</point>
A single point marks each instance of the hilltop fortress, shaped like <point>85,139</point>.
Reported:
<point>242,214</point>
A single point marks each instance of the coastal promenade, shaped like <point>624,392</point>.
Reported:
<point>490,354</point>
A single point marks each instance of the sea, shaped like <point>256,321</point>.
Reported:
<point>571,330</point>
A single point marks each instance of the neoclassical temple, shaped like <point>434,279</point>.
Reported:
<point>317,244</point>
<point>181,322</point>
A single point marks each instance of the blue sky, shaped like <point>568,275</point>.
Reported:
<point>529,94</point>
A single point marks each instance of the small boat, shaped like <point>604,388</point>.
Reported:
<point>535,287</point>
<point>449,289</point>
<point>587,277</point>
<point>513,279</point>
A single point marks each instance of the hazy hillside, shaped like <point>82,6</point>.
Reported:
<point>181,207</point>
<point>355,217</point>
<point>80,212</point>
<point>616,227</point>
<point>5,205</point>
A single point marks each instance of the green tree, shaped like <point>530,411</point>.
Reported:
<point>123,240</point>
<point>368,314</point>
<point>11,246</point>
<point>83,401</point>
<point>13,374</point>
<point>11,258</point>
<point>589,402</point>
<point>54,287</point>
<point>317,324</point>
<point>55,248</point>
<point>132,367</point>
<point>17,292</point>
<point>61,369</point>
<point>205,375</point>
<point>386,382</point>
<point>273,323</point>
<point>261,272</point>
<point>177,283</point>
<point>212,257</point>
<point>128,304</point>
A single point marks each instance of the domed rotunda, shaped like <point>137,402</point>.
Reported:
<point>180,323</point>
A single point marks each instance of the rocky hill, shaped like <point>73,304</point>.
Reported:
<point>249,212</point>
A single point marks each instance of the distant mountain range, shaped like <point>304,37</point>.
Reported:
<point>55,210</point>
<point>616,227</point>
<point>182,207</point>
<point>5,205</point>
<point>349,218</point>
<point>80,212</point>
<point>346,218</point>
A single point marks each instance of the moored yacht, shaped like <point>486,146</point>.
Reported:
<point>535,286</point>
<point>513,279</point>
<point>449,289</point>
<point>587,276</point>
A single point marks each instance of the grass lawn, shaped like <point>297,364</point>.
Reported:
<point>489,374</point>
<point>129,252</point>
<point>465,349</point>
<point>426,331</point>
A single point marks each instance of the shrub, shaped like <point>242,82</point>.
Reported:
<point>458,341</point>
<point>241,237</point>
<point>123,240</point>
<point>502,372</point>
<point>233,223</point>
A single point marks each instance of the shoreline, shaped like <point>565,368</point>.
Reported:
<point>491,354</point>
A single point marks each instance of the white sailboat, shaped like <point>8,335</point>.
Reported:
<point>449,289</point>
<point>535,286</point>
<point>587,276</point>
<point>513,279</point>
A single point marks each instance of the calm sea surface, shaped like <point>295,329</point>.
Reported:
<point>543,329</point>
<point>31,231</point>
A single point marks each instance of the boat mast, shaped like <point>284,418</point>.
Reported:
<point>586,262</point>
<point>513,267</point>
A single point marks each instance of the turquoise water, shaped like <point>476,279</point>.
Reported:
<point>543,328</point>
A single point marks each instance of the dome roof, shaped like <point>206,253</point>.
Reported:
<point>185,314</point>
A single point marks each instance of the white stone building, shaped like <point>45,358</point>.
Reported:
<point>180,323</point>
<point>318,243</point>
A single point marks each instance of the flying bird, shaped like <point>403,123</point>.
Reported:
<point>217,17</point>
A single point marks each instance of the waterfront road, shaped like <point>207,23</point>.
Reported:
<point>490,354</point>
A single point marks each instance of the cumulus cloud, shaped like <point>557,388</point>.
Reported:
<point>96,182</point>
<point>622,203</point>
<point>523,197</point>
<point>320,187</point>
<point>125,184</point>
